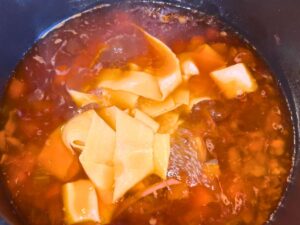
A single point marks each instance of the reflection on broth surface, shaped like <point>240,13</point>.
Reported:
<point>144,115</point>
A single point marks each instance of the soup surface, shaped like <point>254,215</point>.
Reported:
<point>144,115</point>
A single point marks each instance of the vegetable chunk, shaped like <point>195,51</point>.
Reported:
<point>234,80</point>
<point>80,202</point>
<point>207,59</point>
<point>204,59</point>
<point>57,159</point>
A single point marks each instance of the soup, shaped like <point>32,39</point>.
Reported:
<point>144,115</point>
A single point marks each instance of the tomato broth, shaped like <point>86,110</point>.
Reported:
<point>230,157</point>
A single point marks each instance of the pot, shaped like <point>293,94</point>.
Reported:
<point>271,27</point>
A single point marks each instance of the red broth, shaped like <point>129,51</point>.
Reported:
<point>250,136</point>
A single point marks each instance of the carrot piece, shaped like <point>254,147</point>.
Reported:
<point>195,42</point>
<point>211,34</point>
<point>13,142</point>
<point>203,196</point>
<point>60,79</point>
<point>221,48</point>
<point>57,159</point>
<point>207,59</point>
<point>10,125</point>
<point>2,141</point>
<point>53,191</point>
<point>29,129</point>
<point>178,46</point>
<point>178,192</point>
<point>16,88</point>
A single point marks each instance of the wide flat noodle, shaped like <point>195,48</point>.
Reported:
<point>155,108</point>
<point>168,74</point>
<point>75,131</point>
<point>106,98</point>
<point>102,177</point>
<point>109,114</point>
<point>133,155</point>
<point>123,99</point>
<point>81,99</point>
<point>99,145</point>
<point>147,120</point>
<point>135,82</point>
<point>181,96</point>
<point>97,161</point>
<point>161,154</point>
<point>156,84</point>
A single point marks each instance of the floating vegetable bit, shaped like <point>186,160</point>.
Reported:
<point>80,202</point>
<point>234,80</point>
